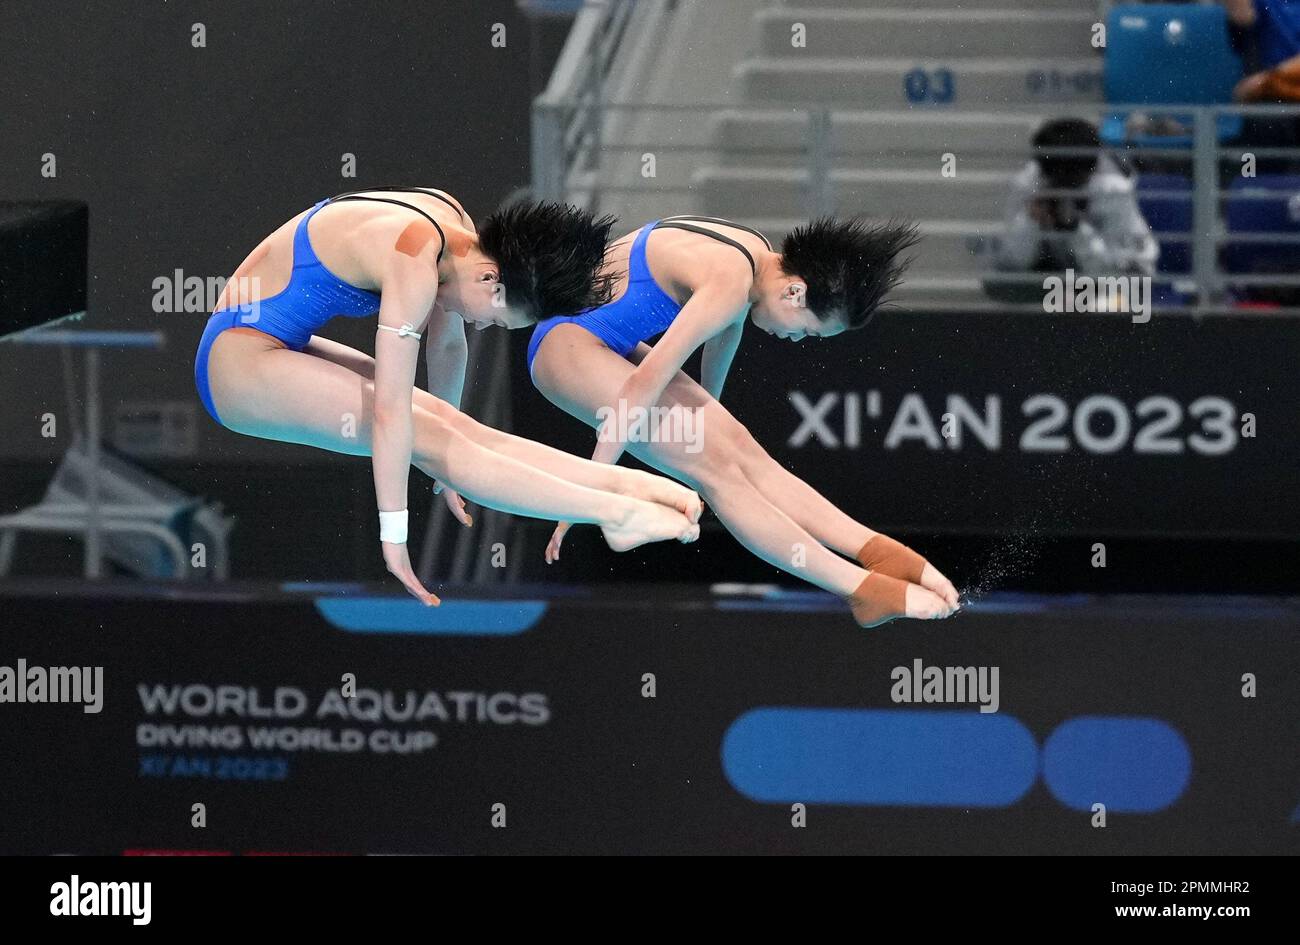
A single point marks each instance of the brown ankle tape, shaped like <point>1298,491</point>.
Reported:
<point>879,598</point>
<point>881,553</point>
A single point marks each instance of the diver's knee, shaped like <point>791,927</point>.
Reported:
<point>432,437</point>
<point>711,474</point>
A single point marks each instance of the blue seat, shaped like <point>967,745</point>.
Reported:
<point>1166,202</point>
<point>1269,203</point>
<point>1168,54</point>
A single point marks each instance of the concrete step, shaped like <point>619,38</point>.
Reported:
<point>945,292</point>
<point>635,208</point>
<point>901,139</point>
<point>927,33</point>
<point>784,192</point>
<point>955,248</point>
<point>919,82</point>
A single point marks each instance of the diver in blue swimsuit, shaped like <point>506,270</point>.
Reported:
<point>413,258</point>
<point>693,282</point>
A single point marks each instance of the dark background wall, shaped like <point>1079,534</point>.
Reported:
<point>189,156</point>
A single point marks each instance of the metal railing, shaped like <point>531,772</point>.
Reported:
<point>567,117</point>
<point>817,155</point>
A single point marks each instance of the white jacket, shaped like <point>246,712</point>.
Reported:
<point>1112,239</point>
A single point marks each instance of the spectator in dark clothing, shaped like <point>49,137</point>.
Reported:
<point>1267,33</point>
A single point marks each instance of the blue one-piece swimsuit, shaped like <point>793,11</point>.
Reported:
<point>313,296</point>
<point>644,310</point>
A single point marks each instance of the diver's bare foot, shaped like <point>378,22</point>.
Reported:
<point>924,604</point>
<point>644,522</point>
<point>653,488</point>
<point>932,579</point>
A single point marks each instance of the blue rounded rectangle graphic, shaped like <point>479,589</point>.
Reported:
<point>1133,765</point>
<point>880,757</point>
<point>451,617</point>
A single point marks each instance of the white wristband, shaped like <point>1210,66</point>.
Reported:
<point>406,331</point>
<point>392,527</point>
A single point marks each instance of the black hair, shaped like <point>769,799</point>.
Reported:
<point>848,265</point>
<point>1068,172</point>
<point>549,255</point>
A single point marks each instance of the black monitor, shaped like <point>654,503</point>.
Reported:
<point>42,262</point>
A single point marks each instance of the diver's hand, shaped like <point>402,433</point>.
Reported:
<point>455,503</point>
<point>399,566</point>
<point>557,538</point>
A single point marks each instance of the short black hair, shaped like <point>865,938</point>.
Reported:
<point>550,255</point>
<point>848,265</point>
<point>1067,171</point>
